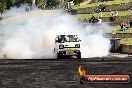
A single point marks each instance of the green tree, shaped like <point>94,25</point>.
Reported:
<point>3,6</point>
<point>51,3</point>
<point>6,4</point>
<point>77,1</point>
<point>40,3</point>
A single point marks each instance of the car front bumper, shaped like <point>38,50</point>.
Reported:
<point>69,53</point>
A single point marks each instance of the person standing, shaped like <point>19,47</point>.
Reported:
<point>99,20</point>
<point>92,19</point>
<point>111,16</point>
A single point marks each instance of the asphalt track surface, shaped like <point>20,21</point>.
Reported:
<point>61,73</point>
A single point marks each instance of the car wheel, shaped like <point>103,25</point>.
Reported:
<point>79,55</point>
<point>58,56</point>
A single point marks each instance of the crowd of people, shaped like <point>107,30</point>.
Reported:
<point>124,25</point>
<point>95,20</point>
<point>113,15</point>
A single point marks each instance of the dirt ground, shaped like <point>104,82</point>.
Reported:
<point>60,73</point>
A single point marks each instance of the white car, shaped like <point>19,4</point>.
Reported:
<point>67,45</point>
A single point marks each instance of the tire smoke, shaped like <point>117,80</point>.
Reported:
<point>32,34</point>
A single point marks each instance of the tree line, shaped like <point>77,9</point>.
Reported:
<point>7,4</point>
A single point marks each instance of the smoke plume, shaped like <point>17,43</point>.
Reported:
<point>31,34</point>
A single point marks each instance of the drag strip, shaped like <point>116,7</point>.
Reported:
<point>60,73</point>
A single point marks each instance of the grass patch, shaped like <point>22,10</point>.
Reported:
<point>104,14</point>
<point>126,41</point>
<point>115,29</point>
<point>99,3</point>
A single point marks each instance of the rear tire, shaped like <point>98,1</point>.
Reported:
<point>58,56</point>
<point>79,55</point>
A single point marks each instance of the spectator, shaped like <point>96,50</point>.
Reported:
<point>111,16</point>
<point>130,23</point>
<point>99,20</point>
<point>116,13</point>
<point>123,26</point>
<point>92,19</point>
<point>102,7</point>
<point>111,13</point>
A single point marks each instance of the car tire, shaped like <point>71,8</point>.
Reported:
<point>58,56</point>
<point>79,55</point>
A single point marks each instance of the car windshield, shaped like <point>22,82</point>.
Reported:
<point>67,38</point>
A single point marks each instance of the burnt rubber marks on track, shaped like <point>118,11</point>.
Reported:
<point>60,73</point>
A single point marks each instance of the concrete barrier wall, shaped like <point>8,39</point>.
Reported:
<point>115,45</point>
<point>122,35</point>
<point>88,10</point>
<point>123,6</point>
<point>126,48</point>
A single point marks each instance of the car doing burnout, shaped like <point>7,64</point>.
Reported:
<point>67,45</point>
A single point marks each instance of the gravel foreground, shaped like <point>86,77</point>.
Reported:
<point>60,73</point>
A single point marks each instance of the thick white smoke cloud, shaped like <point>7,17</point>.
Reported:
<point>32,34</point>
